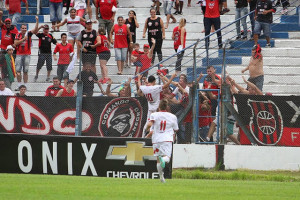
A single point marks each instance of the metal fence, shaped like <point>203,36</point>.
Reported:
<point>192,62</point>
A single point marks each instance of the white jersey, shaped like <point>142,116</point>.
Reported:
<point>73,25</point>
<point>177,92</point>
<point>6,92</point>
<point>164,124</point>
<point>152,94</point>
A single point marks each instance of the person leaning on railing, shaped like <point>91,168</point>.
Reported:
<point>124,90</point>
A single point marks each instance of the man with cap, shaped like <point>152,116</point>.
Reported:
<point>67,91</point>
<point>23,44</point>
<point>8,69</point>
<point>14,9</point>
<point>45,40</point>
<point>145,59</point>
<point>255,67</point>
<point>86,41</point>
<point>9,32</point>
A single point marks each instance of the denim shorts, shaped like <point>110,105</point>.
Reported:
<point>167,7</point>
<point>15,18</point>
<point>22,61</point>
<point>266,27</point>
<point>55,11</point>
<point>73,37</point>
<point>120,54</point>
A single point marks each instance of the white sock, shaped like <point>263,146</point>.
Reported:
<point>19,84</point>
<point>166,159</point>
<point>160,170</point>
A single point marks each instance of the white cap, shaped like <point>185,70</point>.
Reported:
<point>9,47</point>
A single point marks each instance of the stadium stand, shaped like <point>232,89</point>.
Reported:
<point>281,62</point>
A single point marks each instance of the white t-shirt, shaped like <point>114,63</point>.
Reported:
<point>152,94</point>
<point>163,127</point>
<point>73,25</point>
<point>176,92</point>
<point>6,92</point>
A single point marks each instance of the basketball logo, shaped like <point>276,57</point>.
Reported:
<point>266,124</point>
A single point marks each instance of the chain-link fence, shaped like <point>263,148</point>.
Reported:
<point>113,72</point>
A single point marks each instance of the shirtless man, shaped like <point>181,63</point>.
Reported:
<point>255,68</point>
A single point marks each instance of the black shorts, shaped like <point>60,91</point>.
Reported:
<point>42,58</point>
<point>89,57</point>
<point>105,55</point>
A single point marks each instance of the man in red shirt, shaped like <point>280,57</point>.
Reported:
<point>212,18</point>
<point>105,14</point>
<point>9,32</point>
<point>23,44</point>
<point>52,90</point>
<point>121,32</point>
<point>65,50</point>
<point>145,59</point>
<point>14,9</point>
<point>68,91</point>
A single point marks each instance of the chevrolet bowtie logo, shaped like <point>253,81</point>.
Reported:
<point>134,153</point>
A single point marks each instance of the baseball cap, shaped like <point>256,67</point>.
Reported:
<point>146,45</point>
<point>46,26</point>
<point>9,47</point>
<point>88,21</point>
<point>7,20</point>
<point>71,81</point>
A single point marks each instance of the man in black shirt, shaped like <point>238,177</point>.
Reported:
<point>89,78</point>
<point>45,40</point>
<point>263,19</point>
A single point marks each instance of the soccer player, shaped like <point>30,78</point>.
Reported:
<point>152,92</point>
<point>163,127</point>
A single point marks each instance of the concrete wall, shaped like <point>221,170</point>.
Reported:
<point>237,157</point>
<point>193,156</point>
<point>262,157</point>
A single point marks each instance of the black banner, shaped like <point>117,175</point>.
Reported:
<point>101,116</point>
<point>272,120</point>
<point>87,156</point>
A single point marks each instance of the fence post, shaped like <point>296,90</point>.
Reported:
<point>195,110</point>
<point>225,97</point>
<point>78,121</point>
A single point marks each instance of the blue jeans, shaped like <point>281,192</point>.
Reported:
<point>14,18</point>
<point>240,12</point>
<point>266,27</point>
<point>55,11</point>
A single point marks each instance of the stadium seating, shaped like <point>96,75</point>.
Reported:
<point>281,62</point>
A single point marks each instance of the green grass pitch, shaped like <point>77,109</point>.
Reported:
<point>28,186</point>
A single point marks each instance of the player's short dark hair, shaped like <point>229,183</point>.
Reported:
<point>63,35</point>
<point>120,17</point>
<point>151,79</point>
<point>55,78</point>
<point>22,86</point>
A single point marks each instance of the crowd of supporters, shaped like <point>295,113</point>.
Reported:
<point>119,34</point>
